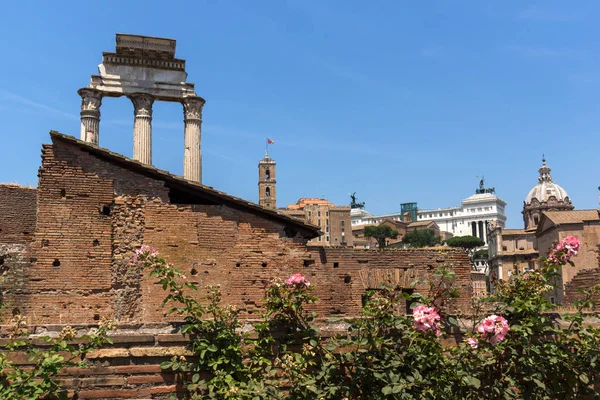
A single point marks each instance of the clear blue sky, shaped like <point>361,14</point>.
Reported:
<point>397,100</point>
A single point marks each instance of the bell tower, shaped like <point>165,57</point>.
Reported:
<point>267,193</point>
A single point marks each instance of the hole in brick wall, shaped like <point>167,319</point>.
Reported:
<point>1,260</point>
<point>56,263</point>
<point>336,265</point>
<point>63,193</point>
<point>25,233</point>
<point>45,243</point>
<point>96,317</point>
<point>194,272</point>
<point>264,265</point>
<point>238,265</point>
<point>16,312</point>
<point>32,260</point>
<point>308,263</point>
<point>96,243</point>
<point>206,272</point>
<point>347,279</point>
<point>105,210</point>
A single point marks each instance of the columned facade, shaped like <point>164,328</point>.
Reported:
<point>192,157</point>
<point>91,100</point>
<point>145,70</point>
<point>142,127</point>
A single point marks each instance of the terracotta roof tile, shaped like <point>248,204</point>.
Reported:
<point>572,216</point>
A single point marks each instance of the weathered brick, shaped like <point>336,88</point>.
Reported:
<point>108,394</point>
<point>144,379</point>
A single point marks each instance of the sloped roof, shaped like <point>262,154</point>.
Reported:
<point>421,223</point>
<point>195,189</point>
<point>516,232</point>
<point>572,216</point>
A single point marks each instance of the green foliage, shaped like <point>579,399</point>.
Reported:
<point>466,242</point>
<point>421,238</point>
<point>40,380</point>
<point>384,354</point>
<point>381,233</point>
<point>481,254</point>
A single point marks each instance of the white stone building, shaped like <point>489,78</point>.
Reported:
<point>470,218</point>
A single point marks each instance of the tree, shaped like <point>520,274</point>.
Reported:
<point>381,233</point>
<point>466,242</point>
<point>422,238</point>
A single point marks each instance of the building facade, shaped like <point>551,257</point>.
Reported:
<point>470,218</point>
<point>548,217</point>
<point>333,220</point>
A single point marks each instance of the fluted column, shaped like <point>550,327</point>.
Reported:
<point>142,127</point>
<point>192,157</point>
<point>91,100</point>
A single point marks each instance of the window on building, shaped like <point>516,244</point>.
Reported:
<point>319,213</point>
<point>327,229</point>
<point>319,222</point>
<point>319,238</point>
<point>267,174</point>
<point>327,238</point>
<point>327,213</point>
<point>342,223</point>
<point>268,192</point>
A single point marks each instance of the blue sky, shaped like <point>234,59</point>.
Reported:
<point>399,101</point>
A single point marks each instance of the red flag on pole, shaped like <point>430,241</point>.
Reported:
<point>269,141</point>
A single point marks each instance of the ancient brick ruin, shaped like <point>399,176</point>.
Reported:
<point>66,247</point>
<point>94,208</point>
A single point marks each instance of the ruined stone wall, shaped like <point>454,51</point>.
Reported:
<point>93,214</point>
<point>17,213</point>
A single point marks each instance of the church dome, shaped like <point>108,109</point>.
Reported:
<point>545,196</point>
<point>545,189</point>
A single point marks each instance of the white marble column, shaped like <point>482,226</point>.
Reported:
<point>192,118</point>
<point>142,127</point>
<point>91,100</point>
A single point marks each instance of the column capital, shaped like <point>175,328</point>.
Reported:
<point>142,104</point>
<point>91,99</point>
<point>192,108</point>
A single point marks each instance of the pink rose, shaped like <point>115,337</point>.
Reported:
<point>493,328</point>
<point>473,342</point>
<point>426,318</point>
<point>564,250</point>
<point>145,251</point>
<point>297,280</point>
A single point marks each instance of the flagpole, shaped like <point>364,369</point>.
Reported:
<point>267,148</point>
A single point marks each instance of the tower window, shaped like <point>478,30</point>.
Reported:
<point>268,192</point>
<point>267,174</point>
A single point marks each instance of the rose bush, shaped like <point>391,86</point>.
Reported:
<point>516,349</point>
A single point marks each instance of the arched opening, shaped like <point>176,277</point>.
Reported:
<point>268,192</point>
<point>267,174</point>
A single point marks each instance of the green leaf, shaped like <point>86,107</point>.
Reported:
<point>540,383</point>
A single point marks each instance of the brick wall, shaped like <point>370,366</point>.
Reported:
<point>93,213</point>
<point>17,213</point>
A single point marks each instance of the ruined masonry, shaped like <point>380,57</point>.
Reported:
<point>145,69</point>
<point>66,246</point>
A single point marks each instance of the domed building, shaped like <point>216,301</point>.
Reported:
<point>545,196</point>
